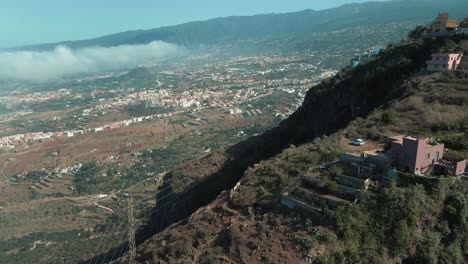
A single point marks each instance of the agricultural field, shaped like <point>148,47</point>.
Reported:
<point>72,152</point>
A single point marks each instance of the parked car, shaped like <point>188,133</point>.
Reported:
<point>357,142</point>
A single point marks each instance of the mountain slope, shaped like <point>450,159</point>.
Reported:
<point>226,30</point>
<point>247,223</point>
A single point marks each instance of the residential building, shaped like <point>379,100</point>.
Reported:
<point>442,24</point>
<point>423,156</point>
<point>444,62</point>
<point>451,165</point>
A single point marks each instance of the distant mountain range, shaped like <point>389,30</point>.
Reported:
<point>224,30</point>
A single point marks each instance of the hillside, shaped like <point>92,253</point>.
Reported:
<point>246,224</point>
<point>232,29</point>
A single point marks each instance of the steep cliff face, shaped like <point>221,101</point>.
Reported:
<point>327,108</point>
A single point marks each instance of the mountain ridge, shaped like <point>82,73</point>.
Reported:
<point>226,29</point>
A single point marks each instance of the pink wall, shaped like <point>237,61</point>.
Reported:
<point>460,167</point>
<point>417,154</point>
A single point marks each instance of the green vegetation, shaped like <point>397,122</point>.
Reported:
<point>69,247</point>
<point>335,170</point>
<point>389,116</point>
<point>392,223</point>
<point>456,140</point>
<point>417,32</point>
<point>87,177</point>
<point>35,176</point>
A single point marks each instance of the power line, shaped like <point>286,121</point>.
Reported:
<point>236,149</point>
<point>118,229</point>
<point>155,210</point>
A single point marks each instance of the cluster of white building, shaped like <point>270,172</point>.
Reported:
<point>9,142</point>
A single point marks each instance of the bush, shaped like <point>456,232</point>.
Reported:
<point>336,170</point>
<point>389,116</point>
<point>329,156</point>
<point>393,184</point>
<point>428,248</point>
<point>332,186</point>
<point>327,236</point>
<point>306,242</point>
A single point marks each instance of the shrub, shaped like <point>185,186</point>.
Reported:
<point>306,242</point>
<point>327,236</point>
<point>392,184</point>
<point>336,169</point>
<point>327,157</point>
<point>389,116</point>
<point>428,248</point>
<point>332,186</point>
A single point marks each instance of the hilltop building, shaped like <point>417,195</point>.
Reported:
<point>423,156</point>
<point>444,62</point>
<point>366,171</point>
<point>442,24</point>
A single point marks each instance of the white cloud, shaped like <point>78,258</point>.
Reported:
<point>63,61</point>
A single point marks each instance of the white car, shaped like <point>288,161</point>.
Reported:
<point>358,142</point>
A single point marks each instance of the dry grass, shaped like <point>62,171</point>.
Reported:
<point>434,101</point>
<point>47,215</point>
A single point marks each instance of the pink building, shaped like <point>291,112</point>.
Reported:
<point>452,165</point>
<point>444,62</point>
<point>423,156</point>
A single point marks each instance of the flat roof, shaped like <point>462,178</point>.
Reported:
<point>446,54</point>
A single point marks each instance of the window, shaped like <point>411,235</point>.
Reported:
<point>436,66</point>
<point>443,66</point>
<point>428,155</point>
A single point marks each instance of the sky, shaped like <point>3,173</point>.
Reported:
<point>26,22</point>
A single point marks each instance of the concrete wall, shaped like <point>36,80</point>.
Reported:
<point>381,162</point>
<point>295,204</point>
<point>345,190</point>
<point>353,182</point>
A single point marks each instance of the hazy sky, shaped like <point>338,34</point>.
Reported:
<point>24,22</point>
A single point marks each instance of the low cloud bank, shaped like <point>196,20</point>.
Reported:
<point>63,61</point>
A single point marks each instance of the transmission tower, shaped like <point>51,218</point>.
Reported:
<point>131,230</point>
